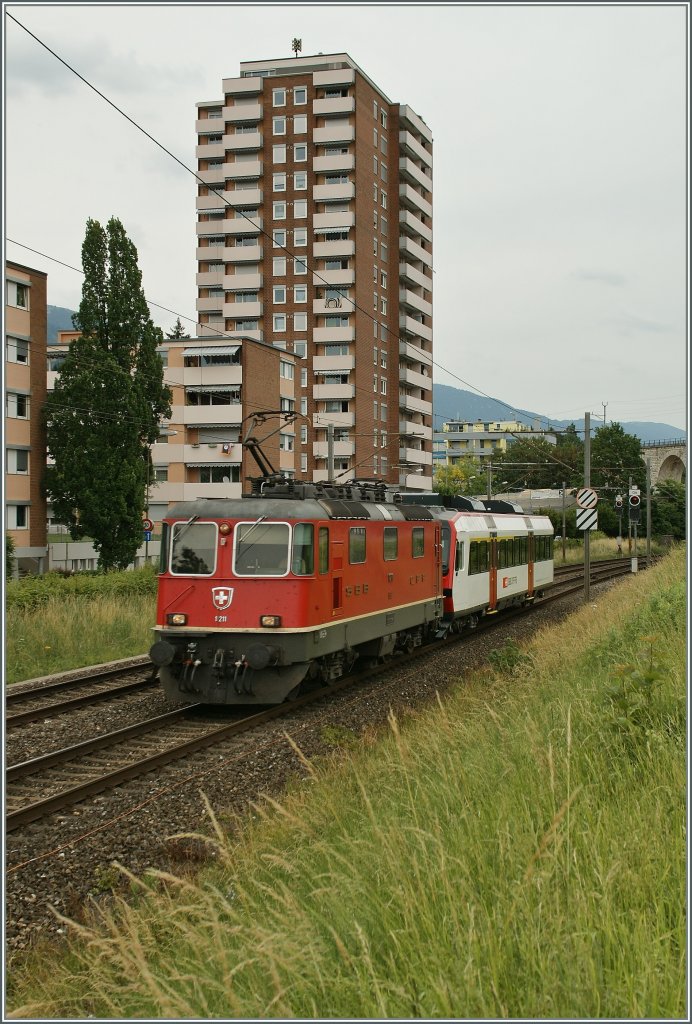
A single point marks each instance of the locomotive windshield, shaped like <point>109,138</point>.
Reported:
<point>261,549</point>
<point>193,549</point>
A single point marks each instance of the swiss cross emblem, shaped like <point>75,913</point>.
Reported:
<point>222,597</point>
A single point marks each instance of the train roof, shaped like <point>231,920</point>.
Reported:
<point>296,508</point>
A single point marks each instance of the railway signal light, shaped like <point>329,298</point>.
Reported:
<point>635,503</point>
<point>618,503</point>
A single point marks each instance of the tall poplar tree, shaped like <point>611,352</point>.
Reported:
<point>108,400</point>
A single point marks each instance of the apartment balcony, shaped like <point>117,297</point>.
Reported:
<point>321,420</point>
<point>408,428</point>
<point>242,282</point>
<point>328,306</point>
<point>207,125</point>
<point>334,133</point>
<point>241,141</point>
<point>215,253</point>
<point>333,221</point>
<point>415,251</point>
<point>242,169</point>
<point>193,491</point>
<point>409,196</point>
<point>408,118</point>
<point>208,303</point>
<point>334,105</point>
<point>210,151</point>
<point>342,449</point>
<point>212,202</point>
<point>218,226</point>
<point>411,404</point>
<point>322,335</point>
<point>243,225</point>
<point>415,481</point>
<point>242,112</point>
<point>321,278</point>
<point>411,146</point>
<point>409,171</point>
<point>242,86</point>
<point>412,276</point>
<point>210,277</point>
<point>330,164</point>
<point>411,224</point>
<point>212,328</point>
<point>204,415</point>
<point>244,197</point>
<point>331,392</point>
<point>327,250</point>
<point>415,379</point>
<point>421,458</point>
<point>190,376</point>
<point>243,253</point>
<point>333,364</point>
<point>415,354</point>
<point>335,77</point>
<point>412,326</point>
<point>240,310</point>
<point>213,175</point>
<point>412,301</point>
<point>206,454</point>
<point>325,193</point>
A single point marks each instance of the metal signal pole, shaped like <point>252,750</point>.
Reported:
<point>587,483</point>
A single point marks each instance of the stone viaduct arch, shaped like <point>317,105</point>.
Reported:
<point>668,460</point>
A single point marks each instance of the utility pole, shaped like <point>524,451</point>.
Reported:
<point>587,483</point>
<point>490,480</point>
<point>330,452</point>
<point>648,510</point>
<point>605,405</point>
<point>564,519</point>
<point>629,523</point>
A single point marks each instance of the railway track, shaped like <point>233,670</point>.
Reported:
<point>53,782</point>
<point>25,706</point>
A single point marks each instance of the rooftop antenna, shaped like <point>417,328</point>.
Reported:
<point>297,46</point>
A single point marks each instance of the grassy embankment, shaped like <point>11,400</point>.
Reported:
<point>54,623</point>
<point>517,851</point>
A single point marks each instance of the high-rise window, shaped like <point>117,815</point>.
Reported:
<point>300,124</point>
<point>279,97</point>
<point>300,95</point>
<point>279,154</point>
<point>279,126</point>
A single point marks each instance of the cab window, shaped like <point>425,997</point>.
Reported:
<point>323,542</point>
<point>193,549</point>
<point>261,549</point>
<point>303,562</point>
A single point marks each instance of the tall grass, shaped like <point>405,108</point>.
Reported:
<point>516,851</point>
<point>71,632</point>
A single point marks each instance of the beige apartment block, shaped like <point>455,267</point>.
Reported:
<point>217,387</point>
<point>314,235</point>
<point>25,394</point>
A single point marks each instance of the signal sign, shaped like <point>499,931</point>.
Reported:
<point>587,498</point>
<point>587,519</point>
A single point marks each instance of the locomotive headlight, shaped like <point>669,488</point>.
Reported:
<point>270,620</point>
<point>176,619</point>
<point>224,529</point>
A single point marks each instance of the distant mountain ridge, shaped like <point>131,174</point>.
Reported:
<point>454,403</point>
<point>59,319</point>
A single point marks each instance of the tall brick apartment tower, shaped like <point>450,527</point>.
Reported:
<point>25,396</point>
<point>322,245</point>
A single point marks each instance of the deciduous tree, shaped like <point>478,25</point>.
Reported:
<point>108,400</point>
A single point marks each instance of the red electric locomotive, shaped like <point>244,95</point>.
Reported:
<point>259,594</point>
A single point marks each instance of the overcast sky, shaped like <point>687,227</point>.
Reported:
<point>559,171</point>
